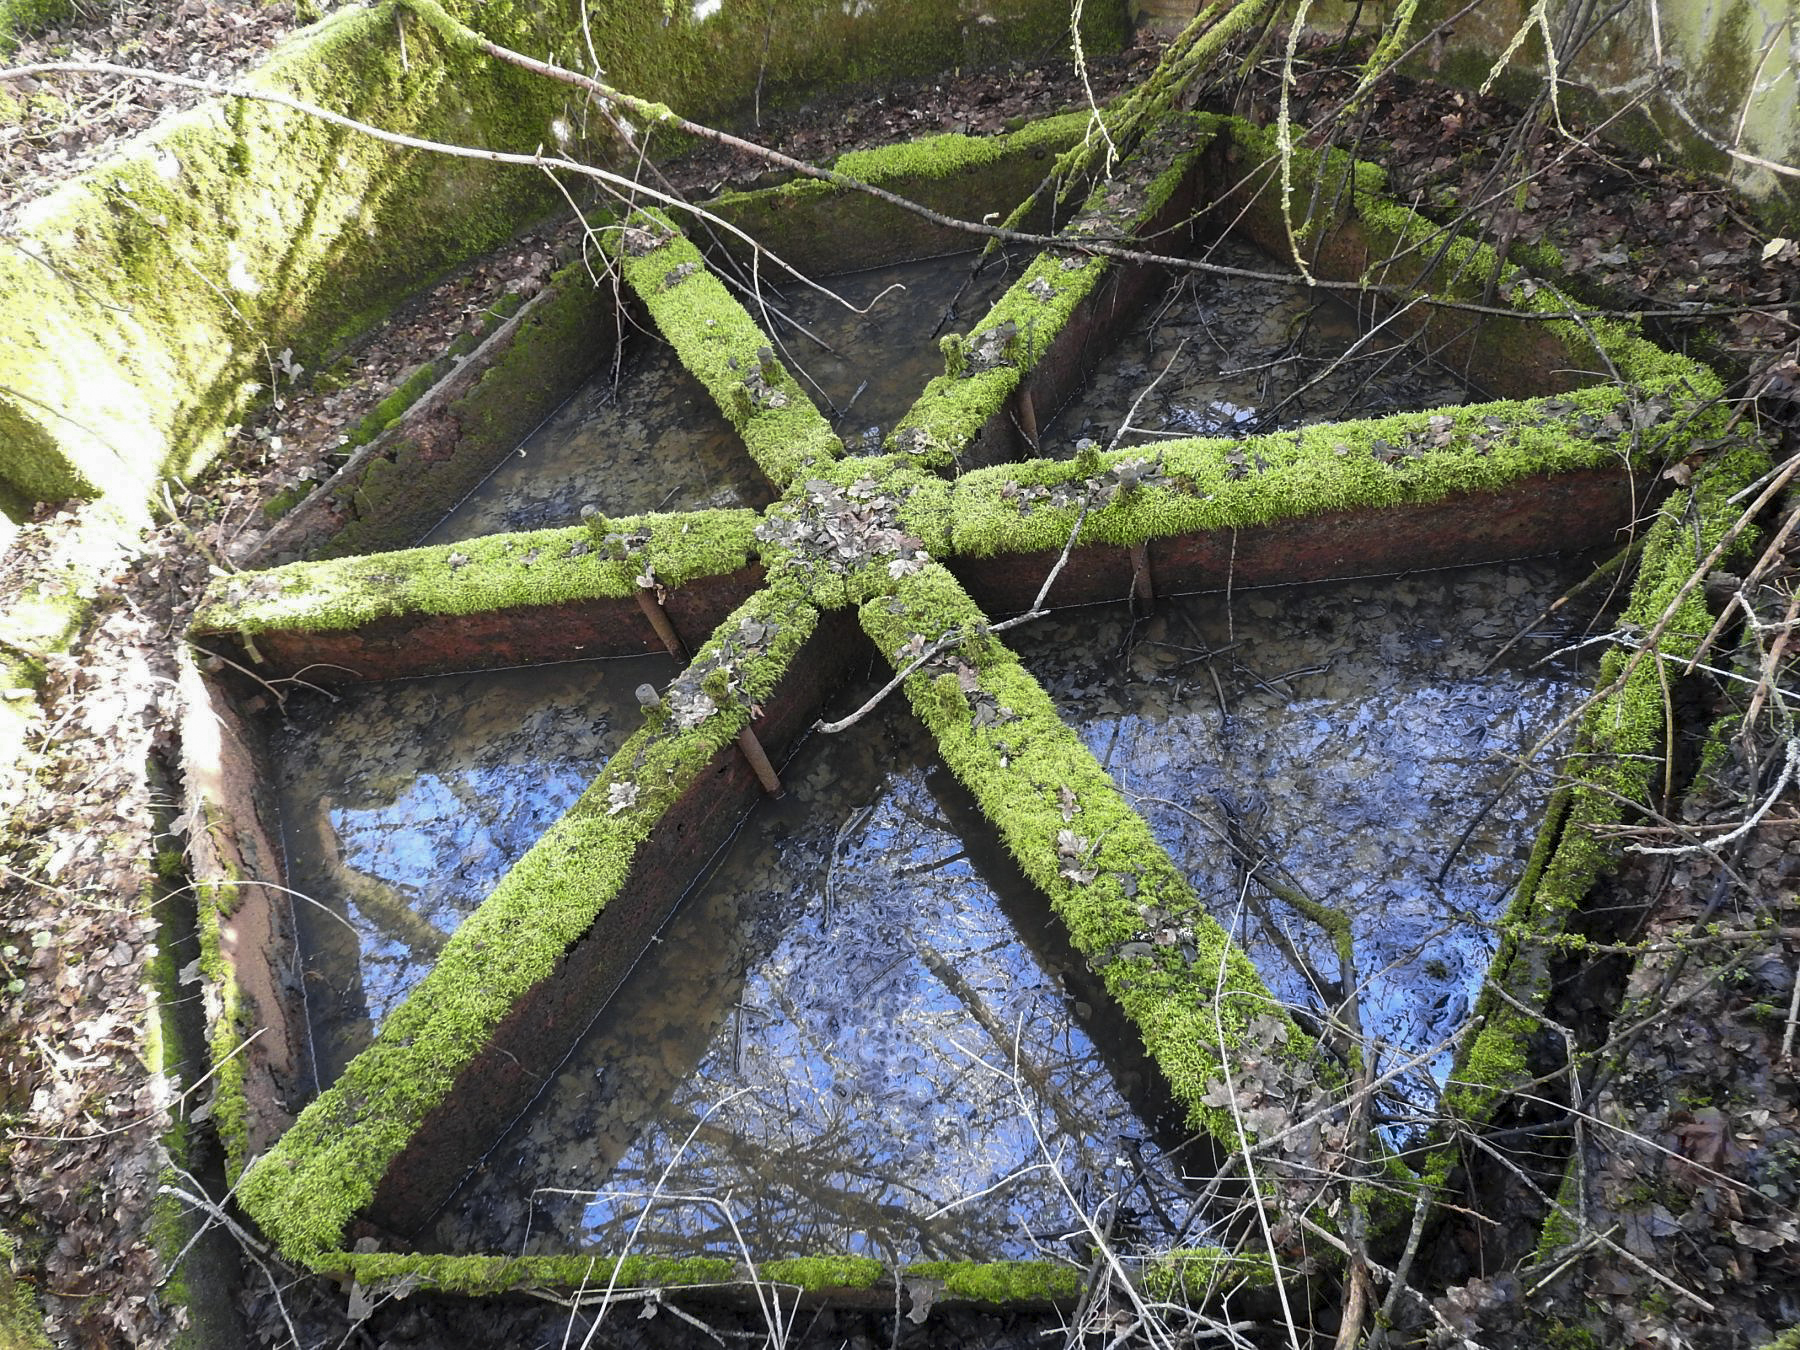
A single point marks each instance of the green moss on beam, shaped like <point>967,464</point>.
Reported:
<point>722,346</point>
<point>1618,760</point>
<point>475,1276</point>
<point>1193,486</point>
<point>497,571</point>
<point>982,371</point>
<point>327,1167</point>
<point>1001,1282</point>
<point>1194,996</point>
<point>1196,1275</point>
<point>953,154</point>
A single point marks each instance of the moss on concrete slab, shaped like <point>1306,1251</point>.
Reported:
<point>820,227</point>
<point>145,293</point>
<point>306,1189</point>
<point>496,571</point>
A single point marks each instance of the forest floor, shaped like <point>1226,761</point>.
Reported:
<point>1692,1146</point>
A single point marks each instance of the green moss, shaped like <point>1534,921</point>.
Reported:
<point>21,1323</point>
<point>138,315</point>
<point>1617,760</point>
<point>19,18</point>
<point>323,1170</point>
<point>1202,485</point>
<point>954,407</point>
<point>480,1275</point>
<point>385,413</point>
<point>821,227</point>
<point>1000,1282</point>
<point>953,154</point>
<point>497,571</point>
<point>823,1272</point>
<point>1194,1000</point>
<point>1201,1274</point>
<point>722,346</point>
<point>895,495</point>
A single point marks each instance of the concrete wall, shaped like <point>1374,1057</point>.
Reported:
<point>1732,72</point>
<point>137,311</point>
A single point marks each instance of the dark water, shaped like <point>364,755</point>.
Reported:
<point>1243,357</point>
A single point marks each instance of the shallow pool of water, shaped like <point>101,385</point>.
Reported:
<point>863,1032</point>
<point>403,803</point>
<point>1230,356</point>
<point>1347,733</point>
<point>649,438</point>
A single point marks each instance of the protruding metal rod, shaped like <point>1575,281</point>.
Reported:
<point>1028,419</point>
<point>659,620</point>
<point>1143,585</point>
<point>759,761</point>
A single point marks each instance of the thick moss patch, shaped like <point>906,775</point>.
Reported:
<point>724,348</point>
<point>496,571</point>
<point>1193,486</point>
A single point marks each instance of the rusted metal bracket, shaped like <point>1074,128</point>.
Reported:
<point>752,749</point>
<point>1027,420</point>
<point>659,620</point>
<point>1143,585</point>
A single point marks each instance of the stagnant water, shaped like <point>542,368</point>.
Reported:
<point>403,803</point>
<point>1348,732</point>
<point>862,1028</point>
<point>648,437</point>
<point>863,1032</point>
<point>1228,356</point>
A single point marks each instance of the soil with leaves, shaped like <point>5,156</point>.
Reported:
<point>1683,1229</point>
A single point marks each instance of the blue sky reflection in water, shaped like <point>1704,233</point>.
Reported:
<point>1350,735</point>
<point>403,804</point>
<point>880,1055</point>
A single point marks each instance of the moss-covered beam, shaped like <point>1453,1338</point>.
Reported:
<point>724,348</point>
<point>1205,485</point>
<point>431,441</point>
<point>1346,226</point>
<point>840,1278</point>
<point>821,228</point>
<point>1204,1013</point>
<point>1036,319</point>
<point>496,600</point>
<point>574,906</point>
<point>1618,760</point>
